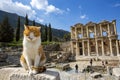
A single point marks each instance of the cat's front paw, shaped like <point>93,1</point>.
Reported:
<point>30,73</point>
<point>34,72</point>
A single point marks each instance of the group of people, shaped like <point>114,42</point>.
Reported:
<point>91,63</point>
<point>103,62</point>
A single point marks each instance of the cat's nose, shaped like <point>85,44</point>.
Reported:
<point>30,38</point>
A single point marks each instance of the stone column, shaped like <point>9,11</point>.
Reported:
<point>102,48</point>
<point>114,24</point>
<point>82,32</point>
<point>77,50</point>
<point>72,47</point>
<point>76,36</point>
<point>111,50</point>
<point>88,47</point>
<point>87,31</point>
<point>97,47</point>
<point>101,30</point>
<point>83,48</point>
<point>117,47</point>
<point>108,29</point>
<point>71,33</point>
<point>95,29</point>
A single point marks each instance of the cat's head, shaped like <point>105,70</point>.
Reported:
<point>32,33</point>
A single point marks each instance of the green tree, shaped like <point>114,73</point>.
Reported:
<point>26,20</point>
<point>66,37</point>
<point>42,34</point>
<point>33,22</point>
<point>18,29</point>
<point>46,34</point>
<point>49,33</point>
<point>6,31</point>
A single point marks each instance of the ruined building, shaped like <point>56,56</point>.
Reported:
<point>95,39</point>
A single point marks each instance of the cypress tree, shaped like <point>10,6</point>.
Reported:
<point>6,31</point>
<point>46,34</point>
<point>33,22</point>
<point>49,33</point>
<point>26,20</point>
<point>18,29</point>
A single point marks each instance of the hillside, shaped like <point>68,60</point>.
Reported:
<point>13,22</point>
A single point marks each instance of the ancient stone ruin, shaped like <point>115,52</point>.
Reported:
<point>95,39</point>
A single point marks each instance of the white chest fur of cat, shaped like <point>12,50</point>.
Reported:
<point>31,47</point>
<point>33,55</point>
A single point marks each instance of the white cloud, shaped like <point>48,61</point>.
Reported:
<point>117,5</point>
<point>40,20</point>
<point>68,9</point>
<point>17,7</point>
<point>83,16</point>
<point>43,5</point>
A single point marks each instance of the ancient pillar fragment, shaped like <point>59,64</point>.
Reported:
<point>117,47</point>
<point>111,50</point>
<point>83,48</point>
<point>102,48</point>
<point>88,48</point>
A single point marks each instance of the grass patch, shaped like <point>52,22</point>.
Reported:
<point>48,43</point>
<point>13,43</point>
<point>19,43</point>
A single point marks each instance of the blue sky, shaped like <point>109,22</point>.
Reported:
<point>65,13</point>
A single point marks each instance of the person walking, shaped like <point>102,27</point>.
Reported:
<point>76,68</point>
<point>91,61</point>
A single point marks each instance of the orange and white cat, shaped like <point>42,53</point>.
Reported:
<point>33,56</point>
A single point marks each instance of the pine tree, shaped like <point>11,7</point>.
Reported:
<point>26,20</point>
<point>49,33</point>
<point>33,22</point>
<point>6,31</point>
<point>18,29</point>
<point>46,34</point>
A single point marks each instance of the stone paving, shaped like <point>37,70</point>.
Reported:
<point>72,75</point>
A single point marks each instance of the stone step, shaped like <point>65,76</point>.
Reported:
<point>21,74</point>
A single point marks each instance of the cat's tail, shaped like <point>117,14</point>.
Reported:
<point>40,69</point>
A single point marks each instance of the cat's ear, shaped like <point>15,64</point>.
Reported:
<point>26,27</point>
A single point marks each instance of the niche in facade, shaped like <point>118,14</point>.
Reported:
<point>104,33</point>
<point>91,35</point>
<point>80,35</point>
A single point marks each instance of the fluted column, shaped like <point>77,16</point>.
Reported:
<point>82,32</point>
<point>71,33</point>
<point>88,43</point>
<point>72,47</point>
<point>111,50</point>
<point>95,29</point>
<point>76,35</point>
<point>101,30</point>
<point>114,24</point>
<point>87,32</point>
<point>77,50</point>
<point>96,47</point>
<point>108,26</point>
<point>83,48</point>
<point>117,47</point>
<point>102,48</point>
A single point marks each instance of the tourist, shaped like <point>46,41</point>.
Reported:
<point>91,61</point>
<point>76,68</point>
<point>103,64</point>
<point>106,62</point>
